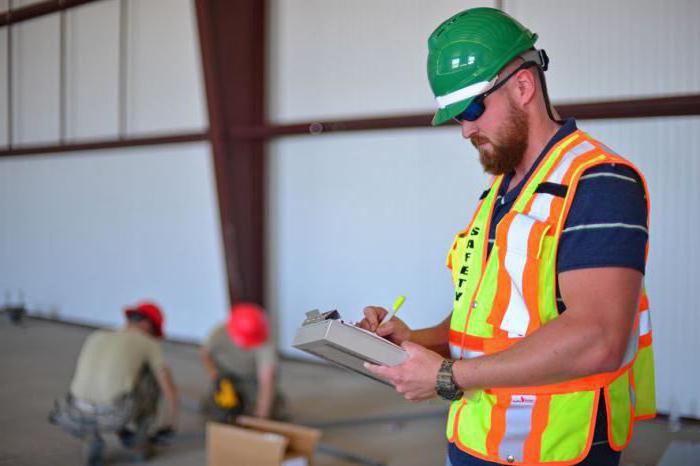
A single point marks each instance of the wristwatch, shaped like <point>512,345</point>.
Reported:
<point>445,385</point>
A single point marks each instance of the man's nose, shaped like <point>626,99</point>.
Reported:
<point>469,129</point>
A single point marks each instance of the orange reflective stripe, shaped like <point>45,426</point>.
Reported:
<point>540,418</point>
<point>645,340</point>
<point>644,302</point>
<point>498,425</point>
<point>469,342</point>
<point>592,382</point>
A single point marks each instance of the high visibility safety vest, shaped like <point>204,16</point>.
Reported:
<point>503,299</point>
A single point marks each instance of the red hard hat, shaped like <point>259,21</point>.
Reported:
<point>247,325</point>
<point>152,312</point>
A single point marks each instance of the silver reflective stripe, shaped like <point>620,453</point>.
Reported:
<point>516,318</point>
<point>455,352</point>
<point>598,226</point>
<point>518,427</point>
<point>467,354</point>
<point>541,206</point>
<point>458,353</point>
<point>543,201</point>
<point>568,159</point>
<point>631,350</point>
<point>465,93</point>
<point>644,322</point>
<point>609,175</point>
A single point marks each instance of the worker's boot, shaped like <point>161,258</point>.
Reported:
<point>126,437</point>
<point>141,453</point>
<point>140,448</point>
<point>93,450</point>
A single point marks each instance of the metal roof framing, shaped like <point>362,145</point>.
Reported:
<point>38,9</point>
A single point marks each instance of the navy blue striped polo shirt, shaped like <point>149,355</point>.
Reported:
<point>607,223</point>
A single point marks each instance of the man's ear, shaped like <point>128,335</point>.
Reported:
<point>526,85</point>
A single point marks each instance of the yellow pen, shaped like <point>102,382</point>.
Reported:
<point>394,309</point>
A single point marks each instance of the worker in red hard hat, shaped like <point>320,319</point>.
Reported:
<point>116,387</point>
<point>241,361</point>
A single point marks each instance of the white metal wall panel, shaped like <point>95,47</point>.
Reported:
<point>165,86</point>
<point>339,59</point>
<point>92,61</point>
<point>85,235</point>
<point>358,219</point>
<point>35,75</point>
<point>666,151</point>
<point>612,50</point>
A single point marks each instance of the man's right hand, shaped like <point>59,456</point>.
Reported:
<point>395,330</point>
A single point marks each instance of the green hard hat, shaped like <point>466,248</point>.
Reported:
<point>465,54</point>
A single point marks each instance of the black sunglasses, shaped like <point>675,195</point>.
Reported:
<point>477,107</point>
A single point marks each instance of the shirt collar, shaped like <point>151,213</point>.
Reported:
<point>566,129</point>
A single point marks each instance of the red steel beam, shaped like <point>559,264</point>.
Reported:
<point>232,41</point>
<point>684,105</point>
<point>105,144</point>
<point>681,105</point>
<point>38,9</point>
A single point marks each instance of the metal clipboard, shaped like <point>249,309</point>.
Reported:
<point>327,336</point>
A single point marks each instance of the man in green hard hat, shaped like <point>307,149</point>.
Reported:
<point>546,354</point>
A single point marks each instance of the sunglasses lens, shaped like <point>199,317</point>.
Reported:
<point>474,110</point>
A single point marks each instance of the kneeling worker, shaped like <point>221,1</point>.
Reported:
<point>116,387</point>
<point>242,363</point>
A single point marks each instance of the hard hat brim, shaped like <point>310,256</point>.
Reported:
<point>157,328</point>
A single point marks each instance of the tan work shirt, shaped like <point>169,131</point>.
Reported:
<point>231,359</point>
<point>110,362</point>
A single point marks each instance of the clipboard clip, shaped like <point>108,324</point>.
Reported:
<point>315,316</point>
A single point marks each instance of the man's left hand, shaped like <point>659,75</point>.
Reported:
<point>415,378</point>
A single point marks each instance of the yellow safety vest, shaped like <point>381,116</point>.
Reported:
<point>507,297</point>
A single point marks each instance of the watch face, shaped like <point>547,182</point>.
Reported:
<point>450,394</point>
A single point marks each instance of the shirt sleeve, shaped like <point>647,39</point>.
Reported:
<point>155,356</point>
<point>214,337</point>
<point>265,356</point>
<point>607,222</point>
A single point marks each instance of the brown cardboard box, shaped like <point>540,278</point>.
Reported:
<point>259,442</point>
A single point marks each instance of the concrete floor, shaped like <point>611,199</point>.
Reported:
<point>357,416</point>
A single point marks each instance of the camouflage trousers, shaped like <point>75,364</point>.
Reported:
<point>137,409</point>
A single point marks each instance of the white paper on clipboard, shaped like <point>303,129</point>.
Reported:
<point>346,345</point>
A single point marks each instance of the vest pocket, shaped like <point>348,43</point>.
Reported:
<point>519,240</point>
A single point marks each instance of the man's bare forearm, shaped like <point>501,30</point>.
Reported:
<point>170,391</point>
<point>266,392</point>
<point>208,363</point>
<point>434,338</point>
<point>589,338</point>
